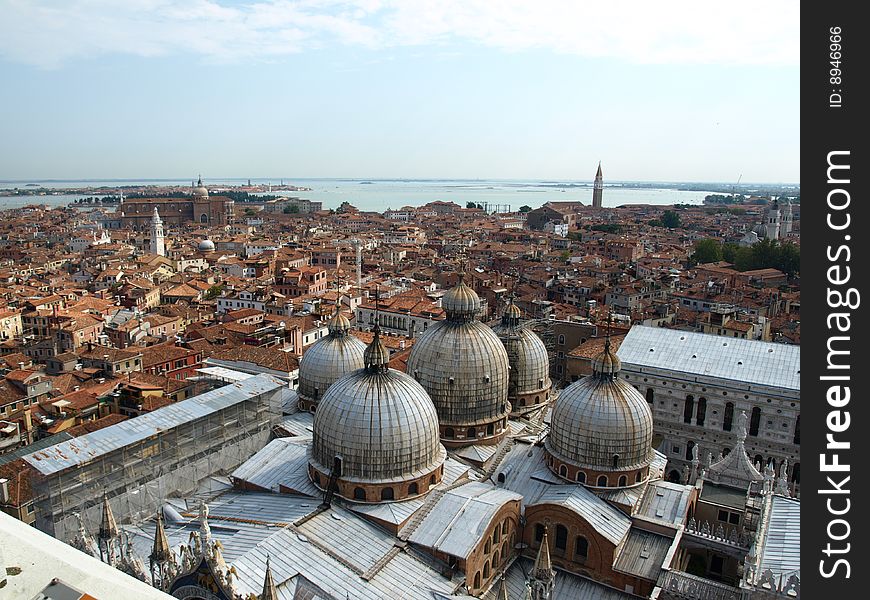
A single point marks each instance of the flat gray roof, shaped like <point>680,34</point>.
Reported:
<point>91,446</point>
<point>782,543</point>
<point>744,361</point>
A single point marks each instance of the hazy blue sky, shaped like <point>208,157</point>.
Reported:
<point>412,88</point>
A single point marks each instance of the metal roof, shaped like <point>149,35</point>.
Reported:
<point>225,374</point>
<point>459,519</point>
<point>283,461</point>
<point>782,541</point>
<point>568,585</point>
<point>743,361</point>
<point>91,446</point>
<point>37,445</point>
<point>607,520</point>
<point>643,553</point>
<point>665,501</point>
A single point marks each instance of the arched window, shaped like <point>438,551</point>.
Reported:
<point>689,447</point>
<point>637,477</point>
<point>702,411</point>
<point>448,433</point>
<point>726,452</point>
<point>581,477</point>
<point>623,481</point>
<point>650,395</point>
<point>316,477</point>
<point>486,570</point>
<point>477,579</point>
<point>729,416</point>
<point>539,532</point>
<point>755,421</point>
<point>561,340</point>
<point>472,432</point>
<point>203,218</point>
<point>615,461</point>
<point>758,461</point>
<point>504,528</point>
<point>359,494</point>
<point>674,476</point>
<point>581,547</point>
<point>431,480</point>
<point>413,489</point>
<point>387,493</point>
<point>495,560</point>
<point>797,431</point>
<point>496,535</point>
<point>490,429</point>
<point>602,481</point>
<point>688,409</point>
<point>563,471</point>
<point>796,473</point>
<point>561,537</point>
<point>487,547</point>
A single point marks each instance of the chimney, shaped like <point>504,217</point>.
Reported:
<point>4,491</point>
<point>21,365</point>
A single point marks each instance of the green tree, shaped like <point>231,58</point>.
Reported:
<point>706,251</point>
<point>525,208</point>
<point>788,259</point>
<point>670,219</point>
<point>729,251</point>
<point>291,209</point>
<point>213,292</point>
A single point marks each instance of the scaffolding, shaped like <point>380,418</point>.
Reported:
<point>138,463</point>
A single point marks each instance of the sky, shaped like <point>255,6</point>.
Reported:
<point>482,89</point>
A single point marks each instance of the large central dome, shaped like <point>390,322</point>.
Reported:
<point>601,429</point>
<point>329,358</point>
<point>377,430</point>
<point>463,366</point>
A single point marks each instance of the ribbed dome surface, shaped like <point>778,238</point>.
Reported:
<point>527,356</point>
<point>599,417</point>
<point>382,425</point>
<point>464,368</point>
<point>328,359</point>
<point>461,302</point>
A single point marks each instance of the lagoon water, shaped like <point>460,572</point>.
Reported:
<point>381,194</point>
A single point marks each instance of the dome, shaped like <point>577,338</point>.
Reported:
<point>601,425</point>
<point>200,191</point>
<point>329,358</point>
<point>461,301</point>
<point>206,246</point>
<point>383,428</point>
<point>529,376</point>
<point>463,366</point>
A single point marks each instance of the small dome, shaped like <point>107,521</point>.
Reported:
<point>206,246</point>
<point>461,302</point>
<point>328,359</point>
<point>529,376</point>
<point>380,423</point>
<point>601,423</point>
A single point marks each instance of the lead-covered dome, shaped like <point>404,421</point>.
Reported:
<point>200,191</point>
<point>601,429</point>
<point>328,359</point>
<point>463,366</point>
<point>206,246</point>
<point>378,429</point>
<point>529,377</point>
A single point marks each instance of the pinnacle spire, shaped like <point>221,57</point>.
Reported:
<point>160,552</point>
<point>502,589</point>
<point>108,526</point>
<point>270,592</point>
<point>598,173</point>
<point>543,567</point>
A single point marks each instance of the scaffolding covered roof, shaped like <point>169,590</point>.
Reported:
<point>91,446</point>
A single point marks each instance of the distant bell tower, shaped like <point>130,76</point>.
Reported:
<point>158,245</point>
<point>597,188</point>
<point>772,224</point>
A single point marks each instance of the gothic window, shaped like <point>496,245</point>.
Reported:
<point>755,421</point>
<point>689,409</point>
<point>729,417</point>
<point>702,411</point>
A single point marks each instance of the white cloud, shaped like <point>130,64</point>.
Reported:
<point>49,34</point>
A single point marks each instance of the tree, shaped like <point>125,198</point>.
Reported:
<point>706,251</point>
<point>670,219</point>
<point>213,292</point>
<point>789,259</point>
<point>525,208</point>
<point>291,209</point>
<point>729,251</point>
